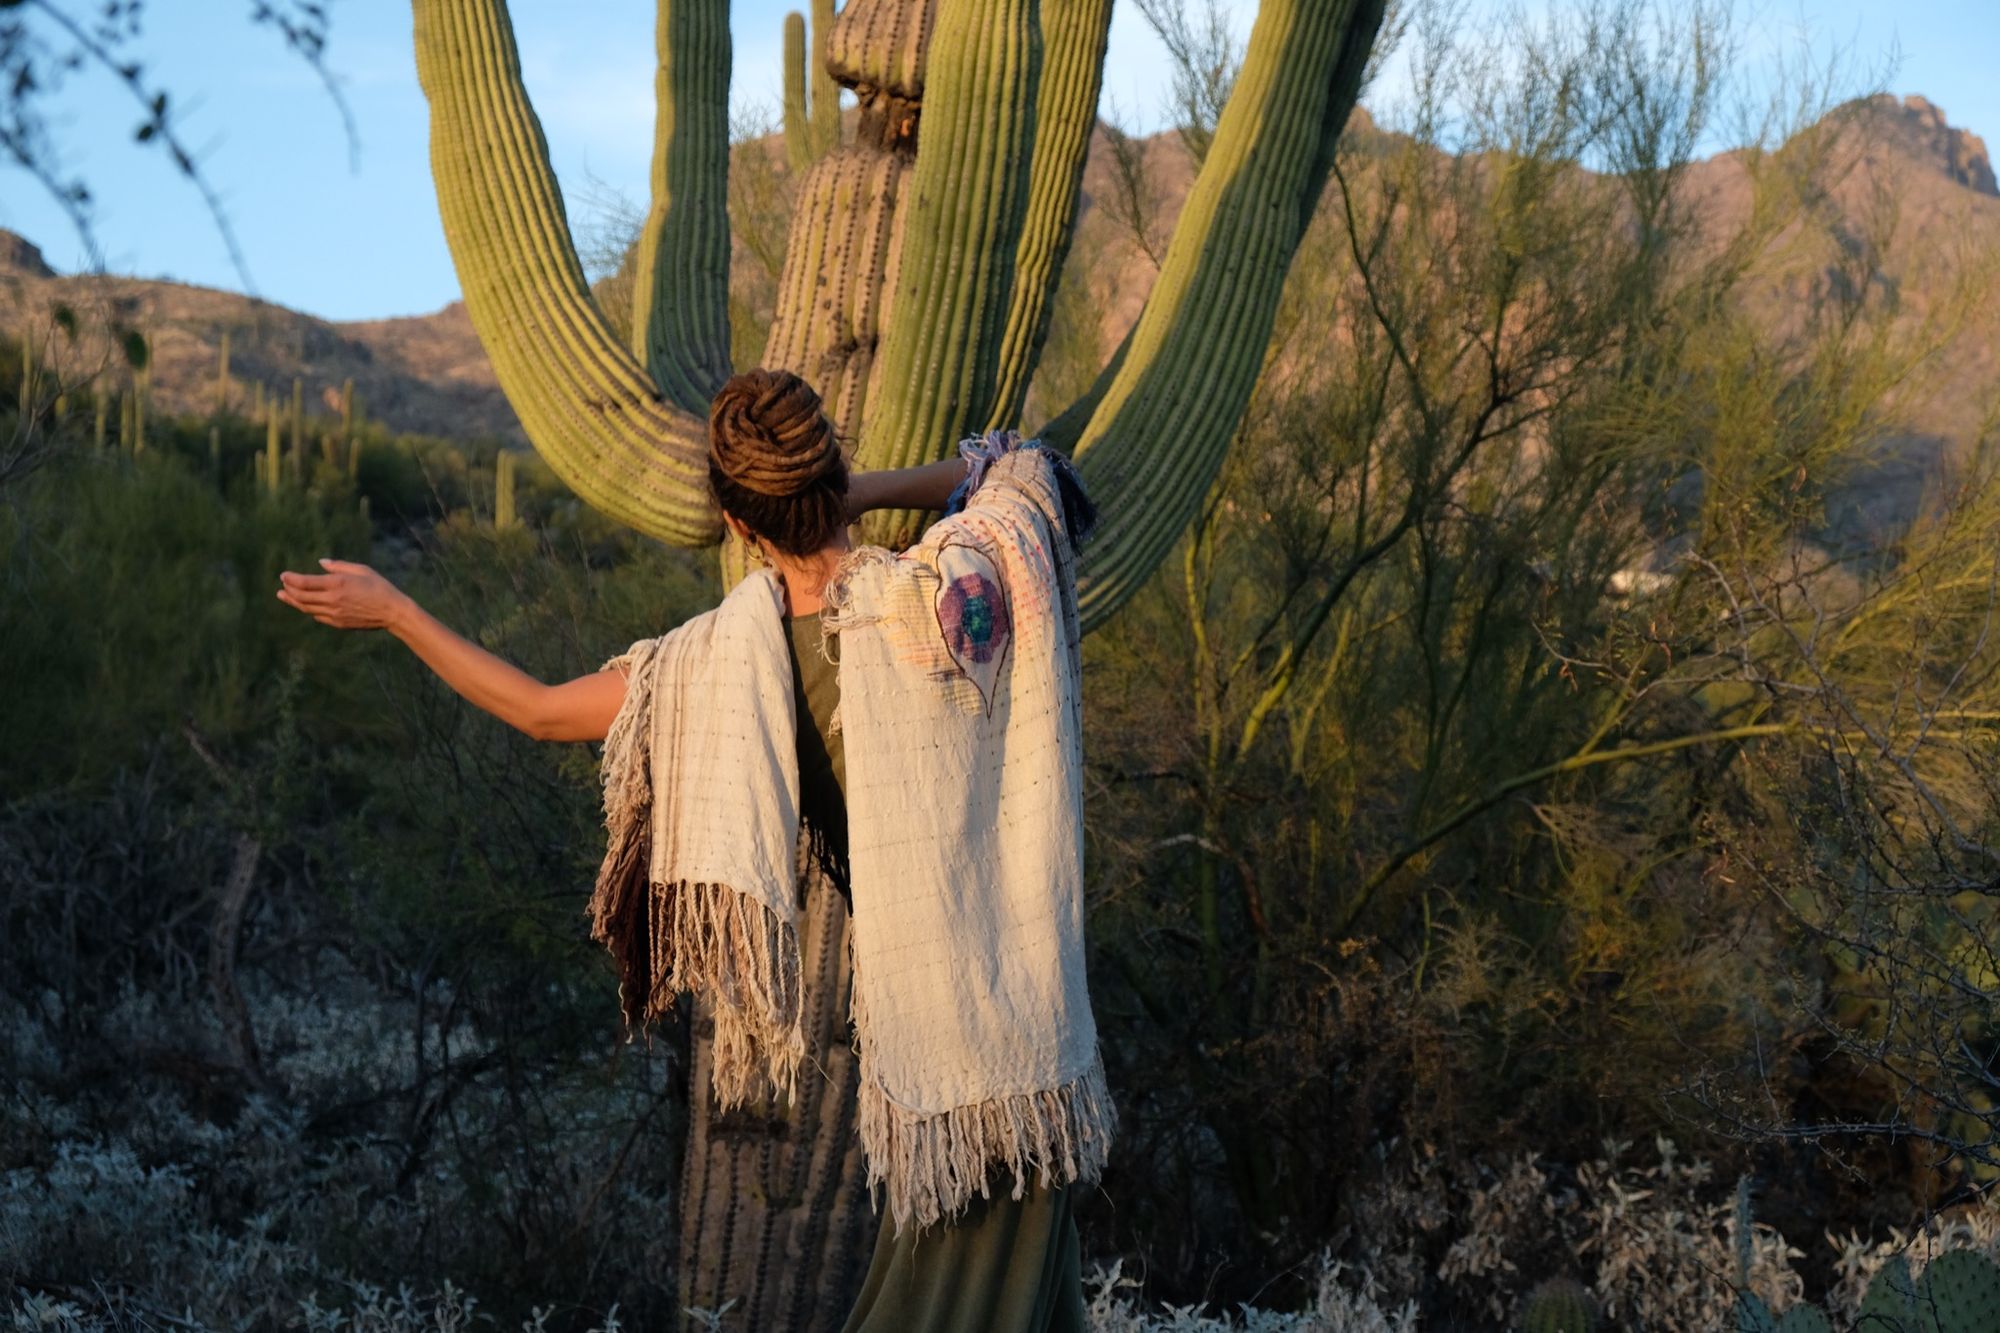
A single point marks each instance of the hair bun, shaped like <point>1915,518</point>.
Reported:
<point>768,434</point>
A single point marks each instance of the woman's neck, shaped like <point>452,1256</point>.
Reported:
<point>804,577</point>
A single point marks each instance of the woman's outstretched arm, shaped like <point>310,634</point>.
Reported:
<point>925,486</point>
<point>351,596</point>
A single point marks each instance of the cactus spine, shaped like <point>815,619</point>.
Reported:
<point>1559,1305</point>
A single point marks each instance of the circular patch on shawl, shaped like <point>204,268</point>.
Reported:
<point>973,616</point>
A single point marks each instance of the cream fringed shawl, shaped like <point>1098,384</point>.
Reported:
<point>961,713</point>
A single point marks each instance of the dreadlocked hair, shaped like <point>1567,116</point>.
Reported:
<point>774,462</point>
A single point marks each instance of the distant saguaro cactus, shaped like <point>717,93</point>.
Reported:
<point>503,490</point>
<point>273,455</point>
<point>812,127</point>
<point>915,295</point>
<point>222,375</point>
<point>298,424</point>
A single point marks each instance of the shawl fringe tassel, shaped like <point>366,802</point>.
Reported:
<point>930,1164</point>
<point>668,937</point>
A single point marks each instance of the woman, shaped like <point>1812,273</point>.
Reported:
<point>939,786</point>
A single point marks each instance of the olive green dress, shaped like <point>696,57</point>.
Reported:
<point>1002,1265</point>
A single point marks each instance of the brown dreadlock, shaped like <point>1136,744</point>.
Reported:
<point>774,462</point>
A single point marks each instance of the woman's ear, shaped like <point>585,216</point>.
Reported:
<point>737,527</point>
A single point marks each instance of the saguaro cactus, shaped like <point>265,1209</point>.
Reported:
<point>504,516</point>
<point>812,127</point>
<point>222,375</point>
<point>916,296</point>
<point>273,458</point>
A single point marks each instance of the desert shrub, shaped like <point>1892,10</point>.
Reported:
<point>388,1054</point>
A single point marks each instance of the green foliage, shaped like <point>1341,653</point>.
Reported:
<point>435,1038</point>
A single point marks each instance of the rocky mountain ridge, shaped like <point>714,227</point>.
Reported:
<point>429,374</point>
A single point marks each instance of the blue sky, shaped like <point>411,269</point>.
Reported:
<point>361,240</point>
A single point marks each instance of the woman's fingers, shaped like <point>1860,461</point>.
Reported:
<point>346,596</point>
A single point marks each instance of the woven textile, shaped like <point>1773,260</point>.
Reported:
<point>961,714</point>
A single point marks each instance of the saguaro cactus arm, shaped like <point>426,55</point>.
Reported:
<point>681,295</point>
<point>1074,33</point>
<point>1152,447</point>
<point>955,275</point>
<point>825,92</point>
<point>587,404</point>
<point>798,123</point>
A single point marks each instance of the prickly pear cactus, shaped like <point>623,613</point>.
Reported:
<point>1804,1318</point>
<point>1751,1315</point>
<point>1891,1303</point>
<point>1559,1305</point>
<point>1960,1293</point>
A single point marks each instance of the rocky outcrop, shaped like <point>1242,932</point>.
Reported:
<point>1919,128</point>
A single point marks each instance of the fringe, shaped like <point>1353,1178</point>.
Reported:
<point>837,609</point>
<point>621,901</point>
<point>667,937</point>
<point>711,937</point>
<point>931,1165</point>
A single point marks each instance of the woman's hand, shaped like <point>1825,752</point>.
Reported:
<point>351,596</point>
<point>347,596</point>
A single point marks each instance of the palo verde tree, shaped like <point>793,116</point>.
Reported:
<point>915,296</point>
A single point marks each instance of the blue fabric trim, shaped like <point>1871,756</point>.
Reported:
<point>1079,516</point>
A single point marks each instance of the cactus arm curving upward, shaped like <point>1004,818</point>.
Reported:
<point>586,403</point>
<point>968,199</point>
<point>680,327</point>
<point>1152,447</point>
<point>798,126</point>
<point>1074,33</point>
<point>825,92</point>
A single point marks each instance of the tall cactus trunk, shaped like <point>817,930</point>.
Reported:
<point>774,1215</point>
